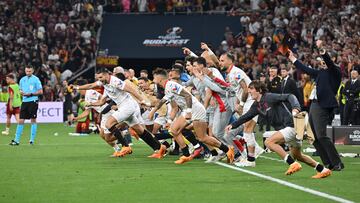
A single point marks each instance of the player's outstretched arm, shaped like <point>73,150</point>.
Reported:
<point>157,107</point>
<point>212,56</point>
<point>128,88</point>
<point>86,86</point>
<point>84,114</point>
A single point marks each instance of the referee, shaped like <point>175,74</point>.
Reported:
<point>30,89</point>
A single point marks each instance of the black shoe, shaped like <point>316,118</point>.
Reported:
<point>13,143</point>
<point>31,142</point>
<point>338,167</point>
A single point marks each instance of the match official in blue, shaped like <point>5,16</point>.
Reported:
<point>30,89</point>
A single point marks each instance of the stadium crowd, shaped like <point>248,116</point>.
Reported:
<point>58,37</point>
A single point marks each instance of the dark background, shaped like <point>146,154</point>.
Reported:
<point>123,36</point>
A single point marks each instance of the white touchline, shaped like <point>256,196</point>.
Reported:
<point>273,159</point>
<point>288,184</point>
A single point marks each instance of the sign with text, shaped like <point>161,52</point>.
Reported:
<point>107,61</point>
<point>48,112</point>
<point>347,135</point>
<point>158,36</point>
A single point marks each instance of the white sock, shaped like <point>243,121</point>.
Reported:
<point>7,129</point>
<point>116,148</point>
<point>285,158</point>
<point>197,146</point>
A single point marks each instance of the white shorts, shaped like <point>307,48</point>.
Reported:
<point>247,107</point>
<point>146,119</point>
<point>129,113</point>
<point>104,118</point>
<point>160,120</point>
<point>289,135</point>
<point>198,113</point>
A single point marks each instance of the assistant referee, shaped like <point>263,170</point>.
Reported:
<point>30,89</point>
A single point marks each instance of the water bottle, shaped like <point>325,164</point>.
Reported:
<point>336,121</point>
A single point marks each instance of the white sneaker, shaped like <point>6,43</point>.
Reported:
<point>240,159</point>
<point>212,159</point>
<point>5,132</point>
<point>258,151</point>
<point>267,150</point>
<point>309,150</point>
<point>245,163</point>
<point>207,156</point>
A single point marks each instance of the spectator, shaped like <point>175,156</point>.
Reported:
<point>86,35</point>
<point>142,5</point>
<point>144,74</point>
<point>46,36</point>
<point>352,94</point>
<point>288,85</point>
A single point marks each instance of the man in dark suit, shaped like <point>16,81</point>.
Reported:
<point>288,86</point>
<point>352,94</point>
<point>274,83</point>
<point>327,81</point>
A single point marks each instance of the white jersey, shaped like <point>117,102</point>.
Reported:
<point>234,77</point>
<point>115,90</point>
<point>172,93</point>
<point>217,73</point>
<point>93,96</point>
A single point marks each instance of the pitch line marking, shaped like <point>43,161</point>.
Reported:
<point>288,184</point>
<point>273,159</point>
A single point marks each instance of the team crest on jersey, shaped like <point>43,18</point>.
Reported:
<point>238,76</point>
<point>175,87</point>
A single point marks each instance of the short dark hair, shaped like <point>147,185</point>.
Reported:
<point>180,62</point>
<point>12,76</point>
<point>259,86</point>
<point>160,71</point>
<point>102,70</point>
<point>333,54</point>
<point>190,59</point>
<point>230,55</point>
<point>121,76</point>
<point>143,78</point>
<point>356,68</point>
<point>178,68</point>
<point>29,66</point>
<point>144,71</point>
<point>201,61</point>
<point>286,68</point>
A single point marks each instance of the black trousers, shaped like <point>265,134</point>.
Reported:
<point>351,113</point>
<point>320,117</point>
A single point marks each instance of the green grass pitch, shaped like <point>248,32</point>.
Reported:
<point>78,169</point>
